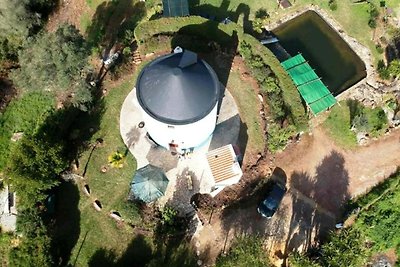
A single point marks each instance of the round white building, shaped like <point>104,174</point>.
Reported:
<point>178,95</point>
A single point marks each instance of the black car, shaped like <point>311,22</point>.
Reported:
<point>271,203</point>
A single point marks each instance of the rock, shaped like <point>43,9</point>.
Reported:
<point>17,136</point>
<point>362,138</point>
<point>260,97</point>
<point>71,177</point>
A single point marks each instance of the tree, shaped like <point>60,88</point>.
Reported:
<point>34,246</point>
<point>36,162</point>
<point>56,62</point>
<point>16,19</point>
<point>246,251</point>
<point>16,22</point>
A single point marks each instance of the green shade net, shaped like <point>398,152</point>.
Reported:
<point>313,91</point>
<point>299,69</point>
<point>149,183</point>
<point>322,104</point>
<point>304,77</point>
<point>309,85</point>
<point>293,61</point>
<point>175,8</point>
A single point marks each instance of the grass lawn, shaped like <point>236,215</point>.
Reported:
<point>110,188</point>
<point>338,126</point>
<point>247,102</point>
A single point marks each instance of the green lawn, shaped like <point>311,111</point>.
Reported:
<point>338,126</point>
<point>247,102</point>
<point>110,188</point>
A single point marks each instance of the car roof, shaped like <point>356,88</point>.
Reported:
<point>277,191</point>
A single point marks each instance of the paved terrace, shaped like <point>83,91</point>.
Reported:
<point>146,152</point>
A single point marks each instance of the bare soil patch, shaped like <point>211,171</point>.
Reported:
<point>7,92</point>
<point>365,166</point>
<point>68,11</point>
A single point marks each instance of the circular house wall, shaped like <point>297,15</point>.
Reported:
<point>178,95</point>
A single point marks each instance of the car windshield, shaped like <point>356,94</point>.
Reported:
<point>271,203</point>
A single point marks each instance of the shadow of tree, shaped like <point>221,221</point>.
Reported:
<point>162,250</point>
<point>111,20</point>
<point>66,230</point>
<point>214,45</point>
<point>317,202</point>
<point>74,129</point>
<point>311,207</point>
<point>138,253</point>
<point>240,15</point>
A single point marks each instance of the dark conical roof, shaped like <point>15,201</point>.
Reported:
<point>178,88</point>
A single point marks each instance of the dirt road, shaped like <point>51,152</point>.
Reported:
<point>327,173</point>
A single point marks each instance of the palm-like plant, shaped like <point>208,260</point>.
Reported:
<point>116,159</point>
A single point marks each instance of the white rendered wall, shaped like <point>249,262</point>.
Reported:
<point>186,136</point>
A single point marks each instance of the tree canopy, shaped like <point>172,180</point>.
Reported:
<point>56,62</point>
<point>16,19</point>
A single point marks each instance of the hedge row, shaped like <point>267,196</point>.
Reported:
<point>291,96</point>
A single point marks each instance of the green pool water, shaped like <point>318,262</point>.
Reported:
<point>330,56</point>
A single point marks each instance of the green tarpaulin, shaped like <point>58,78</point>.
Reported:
<point>310,86</point>
<point>322,104</point>
<point>299,69</point>
<point>304,78</point>
<point>293,61</point>
<point>313,91</point>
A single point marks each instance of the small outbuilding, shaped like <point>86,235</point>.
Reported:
<point>175,8</point>
<point>224,166</point>
<point>178,96</point>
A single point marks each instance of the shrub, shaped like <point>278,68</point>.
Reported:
<point>277,136</point>
<point>373,15</point>
<point>34,246</point>
<point>169,216</point>
<point>245,251</point>
<point>344,249</point>
<point>116,159</point>
<point>377,120</point>
<point>379,49</point>
<point>332,5</point>
<point>394,68</point>
<point>383,70</point>
<point>127,52</point>
<point>24,114</point>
